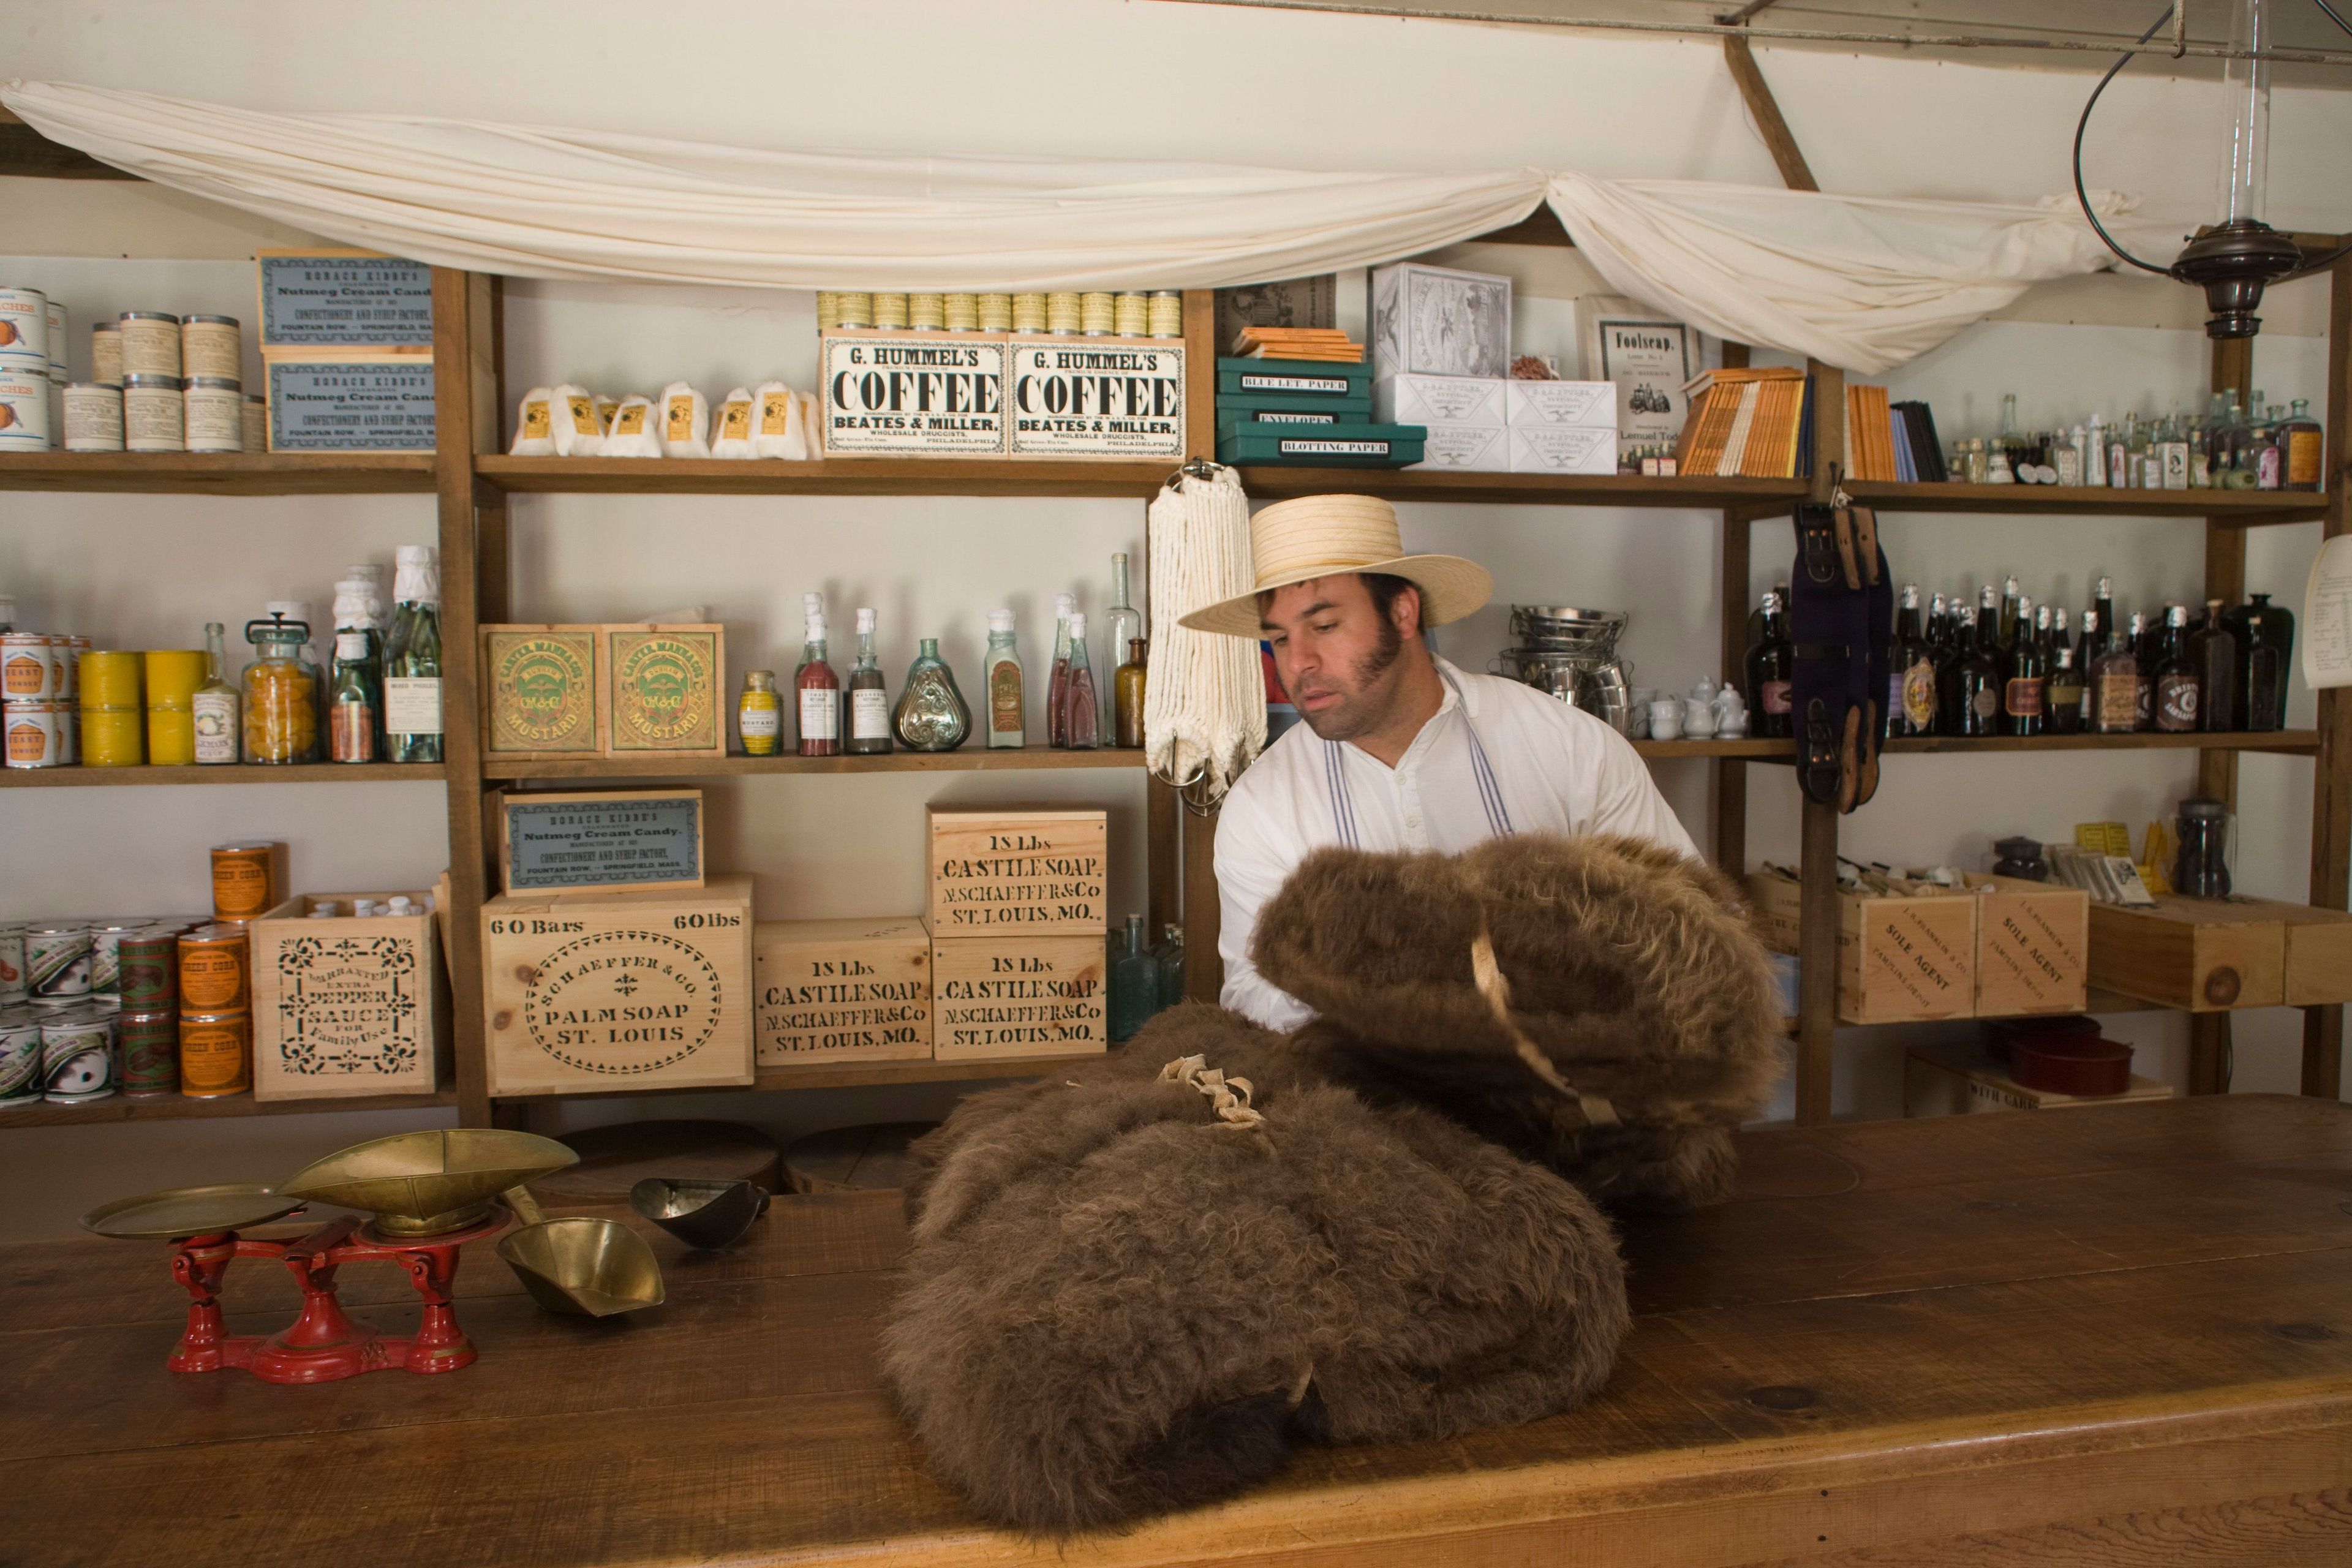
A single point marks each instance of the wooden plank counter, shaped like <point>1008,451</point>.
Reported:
<point>2120,1335</point>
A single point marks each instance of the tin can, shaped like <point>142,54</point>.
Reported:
<point>20,1058</point>
<point>1132,315</point>
<point>889,312</point>
<point>25,409</point>
<point>77,1056</point>
<point>1098,314</point>
<point>150,1051</point>
<point>1167,314</point>
<point>13,993</point>
<point>147,969</point>
<point>212,970</point>
<point>68,652</point>
<point>245,880</point>
<point>216,1054</point>
<point>853,309</point>
<point>1028,312</point>
<point>24,331</point>
<point>106,938</point>
<point>109,679</point>
<point>93,417</point>
<point>150,344</point>
<point>214,414</point>
<point>69,723</point>
<point>1063,311</point>
<point>106,354</point>
<point>154,410</point>
<point>253,422</point>
<point>38,732</point>
<point>927,312</point>
<point>57,962</point>
<point>210,346</point>
<point>828,309</point>
<point>112,737</point>
<point>995,312</point>
<point>60,337</point>
<point>961,311</point>
<point>28,668</point>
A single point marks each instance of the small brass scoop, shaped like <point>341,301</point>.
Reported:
<point>593,1268</point>
<point>704,1214</point>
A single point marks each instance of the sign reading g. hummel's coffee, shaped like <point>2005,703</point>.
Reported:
<point>1098,397</point>
<point>923,394</point>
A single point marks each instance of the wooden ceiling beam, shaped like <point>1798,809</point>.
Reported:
<point>24,151</point>
<point>1766,111</point>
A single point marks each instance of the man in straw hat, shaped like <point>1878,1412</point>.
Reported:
<point>1400,750</point>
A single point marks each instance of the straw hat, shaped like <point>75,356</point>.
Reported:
<point>1323,536</point>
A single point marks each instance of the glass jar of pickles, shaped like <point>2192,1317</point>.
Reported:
<point>281,694</point>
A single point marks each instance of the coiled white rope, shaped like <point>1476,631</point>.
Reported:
<point>1205,693</point>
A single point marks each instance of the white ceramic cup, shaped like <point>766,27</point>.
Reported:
<point>1666,719</point>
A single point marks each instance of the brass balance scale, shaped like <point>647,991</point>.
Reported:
<point>429,1194</point>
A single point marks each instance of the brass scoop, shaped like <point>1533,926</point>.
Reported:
<point>593,1268</point>
<point>704,1214</point>
<point>427,1184</point>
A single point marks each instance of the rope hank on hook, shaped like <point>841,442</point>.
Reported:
<point>1203,694</point>
<point>1228,1097</point>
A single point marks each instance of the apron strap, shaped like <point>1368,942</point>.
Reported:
<point>1481,769</point>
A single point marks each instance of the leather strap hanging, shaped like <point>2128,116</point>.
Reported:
<point>1841,619</point>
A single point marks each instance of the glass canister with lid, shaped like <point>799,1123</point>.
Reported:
<point>281,693</point>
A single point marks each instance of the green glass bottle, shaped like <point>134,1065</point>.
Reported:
<point>931,714</point>
<point>1134,984</point>
<point>411,659</point>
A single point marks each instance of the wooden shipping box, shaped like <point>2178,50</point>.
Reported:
<point>1001,996</point>
<point>1958,1081</point>
<point>841,991</point>
<point>2033,943</point>
<point>337,299</point>
<point>996,870</point>
<point>2206,955</point>
<point>2318,951</point>
<point>574,842</point>
<point>347,1006</point>
<point>893,393</point>
<point>664,690</point>
<point>1898,959</point>
<point>606,992</point>
<point>347,400</point>
<point>1120,399</point>
<point>543,691</point>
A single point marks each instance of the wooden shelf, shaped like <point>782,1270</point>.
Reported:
<point>862,1074</point>
<point>837,477</point>
<point>222,473</point>
<point>1267,483</point>
<point>1743,747</point>
<point>2295,743</point>
<point>227,774</point>
<point>971,759</point>
<point>178,1108</point>
<point>2249,508</point>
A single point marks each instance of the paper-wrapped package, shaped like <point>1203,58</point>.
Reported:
<point>686,416</point>
<point>783,427</point>
<point>534,425</point>
<point>730,425</point>
<point>635,431</point>
<point>578,432</point>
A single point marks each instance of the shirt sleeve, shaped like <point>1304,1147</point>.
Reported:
<point>1249,871</point>
<point>1625,799</point>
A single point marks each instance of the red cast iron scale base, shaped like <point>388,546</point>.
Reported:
<point>323,1344</point>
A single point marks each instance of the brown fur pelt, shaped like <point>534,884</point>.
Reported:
<point>1119,1303</point>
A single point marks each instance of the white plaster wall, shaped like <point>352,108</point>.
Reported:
<point>1092,77</point>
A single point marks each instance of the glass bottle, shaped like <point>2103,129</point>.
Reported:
<point>811,610</point>
<point>2146,645</point>
<point>2094,452</point>
<point>2115,687</point>
<point>1170,956</point>
<point>1911,680</point>
<point>351,702</point>
<point>1979,465</point>
<point>218,708</point>
<point>2043,630</point>
<point>1058,734</point>
<point>1936,635</point>
<point>1134,984</point>
<point>2213,658</point>
<point>869,696</point>
<point>411,659</point>
<point>2270,457</point>
<point>2175,682</point>
<point>2025,672</point>
<point>2302,445</point>
<point>2010,601</point>
<point>1121,624</point>
<point>760,715</point>
<point>1771,669</point>
<point>1081,711</point>
<point>282,714</point>
<point>1971,698</point>
<point>1127,704</point>
<point>356,607</point>
<point>1001,686</point>
<point>1997,468</point>
<point>931,714</point>
<point>2278,630</point>
<point>819,696</point>
<point>2259,670</point>
<point>1755,616</point>
<point>2065,692</point>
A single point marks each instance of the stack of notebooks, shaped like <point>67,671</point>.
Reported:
<point>1311,412</point>
<point>1891,441</point>
<point>1754,424</point>
<point>1327,345</point>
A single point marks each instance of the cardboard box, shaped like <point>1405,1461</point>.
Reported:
<point>2318,952</point>
<point>346,1005</point>
<point>1563,449</point>
<point>2206,955</point>
<point>1955,1081</point>
<point>1019,996</point>
<point>665,689</point>
<point>1899,959</point>
<point>1406,399</point>
<point>2033,945</point>
<point>841,991</point>
<point>1581,404</point>
<point>545,692</point>
<point>600,841</point>
<point>608,993</point>
<point>1120,399</point>
<point>1317,386</point>
<point>913,395</point>
<point>995,870</point>
<point>1437,321</point>
<point>333,299</point>
<point>350,401</point>
<point>1466,449</point>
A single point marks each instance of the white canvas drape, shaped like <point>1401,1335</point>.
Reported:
<point>1862,283</point>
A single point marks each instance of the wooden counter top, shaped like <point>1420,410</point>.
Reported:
<point>2120,1335</point>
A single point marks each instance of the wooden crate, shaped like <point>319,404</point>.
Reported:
<point>664,690</point>
<point>1958,1081</point>
<point>1116,399</point>
<point>602,993</point>
<point>2033,942</point>
<point>2318,951</point>
<point>1898,959</point>
<point>347,1006</point>
<point>1019,996</point>
<point>841,991</point>
<point>601,840</point>
<point>998,870</point>
<point>2206,955</point>
<point>543,692</point>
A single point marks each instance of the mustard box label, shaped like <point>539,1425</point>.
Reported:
<point>928,395</point>
<point>542,691</point>
<point>1118,397</point>
<point>664,691</point>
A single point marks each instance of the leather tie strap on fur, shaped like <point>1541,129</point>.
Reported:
<point>1496,989</point>
<point>1228,1097</point>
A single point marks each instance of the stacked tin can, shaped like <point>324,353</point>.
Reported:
<point>39,686</point>
<point>32,369</point>
<point>161,383</point>
<point>88,1009</point>
<point>1097,314</point>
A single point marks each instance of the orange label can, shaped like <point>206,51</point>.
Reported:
<point>212,970</point>
<point>216,1054</point>
<point>245,880</point>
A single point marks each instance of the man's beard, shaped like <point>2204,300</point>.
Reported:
<point>1364,709</point>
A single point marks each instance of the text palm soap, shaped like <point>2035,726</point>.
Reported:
<point>608,993</point>
<point>664,691</point>
<point>346,1004</point>
<point>1001,996</point>
<point>997,871</point>
<point>841,991</point>
<point>543,692</point>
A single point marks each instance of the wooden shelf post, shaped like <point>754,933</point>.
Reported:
<point>1204,969</point>
<point>2331,783</point>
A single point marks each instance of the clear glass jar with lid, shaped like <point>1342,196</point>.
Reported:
<point>281,694</point>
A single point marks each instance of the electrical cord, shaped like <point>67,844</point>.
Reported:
<point>2333,15</point>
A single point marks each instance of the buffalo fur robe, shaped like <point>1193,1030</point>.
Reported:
<point>1135,1286</point>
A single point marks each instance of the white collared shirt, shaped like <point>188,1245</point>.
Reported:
<point>1553,768</point>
